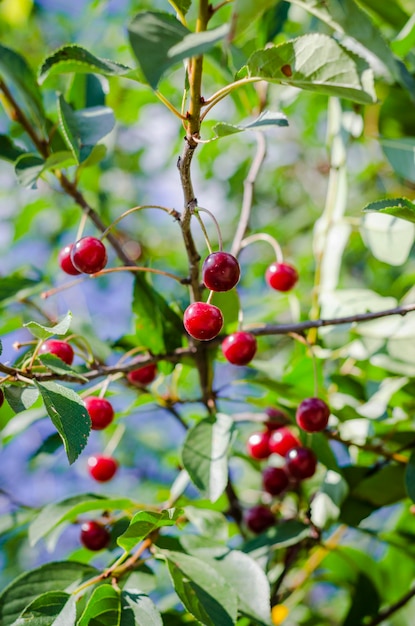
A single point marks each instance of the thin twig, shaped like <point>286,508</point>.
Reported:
<point>383,615</point>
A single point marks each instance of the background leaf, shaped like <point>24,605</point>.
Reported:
<point>265,121</point>
<point>398,207</point>
<point>46,609</point>
<point>138,608</point>
<point>103,608</point>
<point>20,398</point>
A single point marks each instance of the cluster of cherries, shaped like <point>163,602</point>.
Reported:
<point>300,461</point>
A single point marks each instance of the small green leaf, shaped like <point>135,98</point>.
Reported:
<point>265,121</point>
<point>8,150</point>
<point>69,416</point>
<point>28,168</point>
<point>205,454</point>
<point>318,63</point>
<point>144,523</point>
<point>46,609</point>
<point>401,155</point>
<point>398,207</point>
<point>103,608</point>
<point>56,365</point>
<point>20,398</point>
<point>44,332</point>
<point>138,608</point>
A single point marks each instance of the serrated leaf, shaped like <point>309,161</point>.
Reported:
<point>8,150</point>
<point>28,168</point>
<point>20,398</point>
<point>205,454</point>
<point>103,608</point>
<point>58,576</point>
<point>267,120</point>
<point>74,58</point>
<point>401,155</point>
<point>45,609</point>
<point>69,416</point>
<point>144,523</point>
<point>318,63</point>
<point>44,332</point>
<point>203,591</point>
<point>398,207</point>
<point>138,608</point>
<point>57,366</point>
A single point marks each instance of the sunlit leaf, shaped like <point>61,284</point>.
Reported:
<point>44,332</point>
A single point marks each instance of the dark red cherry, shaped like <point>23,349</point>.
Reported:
<point>301,463</point>
<point>203,321</point>
<point>102,468</point>
<point>100,411</point>
<point>259,518</point>
<point>61,349</point>
<point>89,255</point>
<point>282,440</point>
<point>312,415</point>
<point>277,418</point>
<point>143,375</point>
<point>274,480</point>
<point>94,536</point>
<point>65,261</point>
<point>258,445</point>
<point>220,271</point>
<point>281,276</point>
<point>239,348</point>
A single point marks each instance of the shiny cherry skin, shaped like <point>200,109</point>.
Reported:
<point>89,255</point>
<point>100,411</point>
<point>277,418</point>
<point>143,375</point>
<point>259,518</point>
<point>275,480</point>
<point>94,536</point>
<point>65,261</point>
<point>312,415</point>
<point>239,348</point>
<point>282,440</point>
<point>220,271</point>
<point>281,276</point>
<point>61,349</point>
<point>258,445</point>
<point>203,321</point>
<point>102,468</point>
<point>301,463</point>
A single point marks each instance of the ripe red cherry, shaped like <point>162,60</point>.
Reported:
<point>94,536</point>
<point>143,375</point>
<point>282,440</point>
<point>301,463</point>
<point>61,349</point>
<point>274,480</point>
<point>312,415</point>
<point>277,418</point>
<point>101,467</point>
<point>65,261</point>
<point>281,276</point>
<point>100,411</point>
<point>239,348</point>
<point>259,518</point>
<point>220,271</point>
<point>203,321</point>
<point>258,445</point>
<point>89,255</point>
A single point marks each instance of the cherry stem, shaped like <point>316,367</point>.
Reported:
<point>133,210</point>
<point>115,440</point>
<point>81,227</point>
<point>210,296</point>
<point>240,318</point>
<point>269,239</point>
<point>204,231</point>
<point>215,221</point>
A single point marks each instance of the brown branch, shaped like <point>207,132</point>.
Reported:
<point>368,447</point>
<point>383,615</point>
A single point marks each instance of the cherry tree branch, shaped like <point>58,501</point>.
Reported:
<point>386,613</point>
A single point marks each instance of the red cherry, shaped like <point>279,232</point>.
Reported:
<point>89,255</point>
<point>277,418</point>
<point>301,463</point>
<point>61,349</point>
<point>274,480</point>
<point>281,276</point>
<point>239,348</point>
<point>282,440</point>
<point>312,415</point>
<point>94,536</point>
<point>101,467</point>
<point>203,321</point>
<point>143,375</point>
<point>65,260</point>
<point>259,518</point>
<point>258,445</point>
<point>220,271</point>
<point>100,411</point>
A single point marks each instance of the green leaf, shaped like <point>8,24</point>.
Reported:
<point>69,416</point>
<point>398,207</point>
<point>138,608</point>
<point>318,63</point>
<point>14,70</point>
<point>203,591</point>
<point>8,150</point>
<point>181,6</point>
<point>59,576</point>
<point>265,121</point>
<point>382,488</point>
<point>401,155</point>
<point>20,398</point>
<point>13,284</point>
<point>322,449</point>
<point>44,332</point>
<point>210,523</point>
<point>46,609</point>
<point>282,535</point>
<point>405,40</point>
<point>56,365</point>
<point>74,58</point>
<point>69,509</point>
<point>229,303</point>
<point>365,602</point>
<point>28,168</point>
<point>389,239</point>
<point>205,454</point>
<point>103,608</point>
<point>246,13</point>
<point>410,477</point>
<point>144,523</point>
